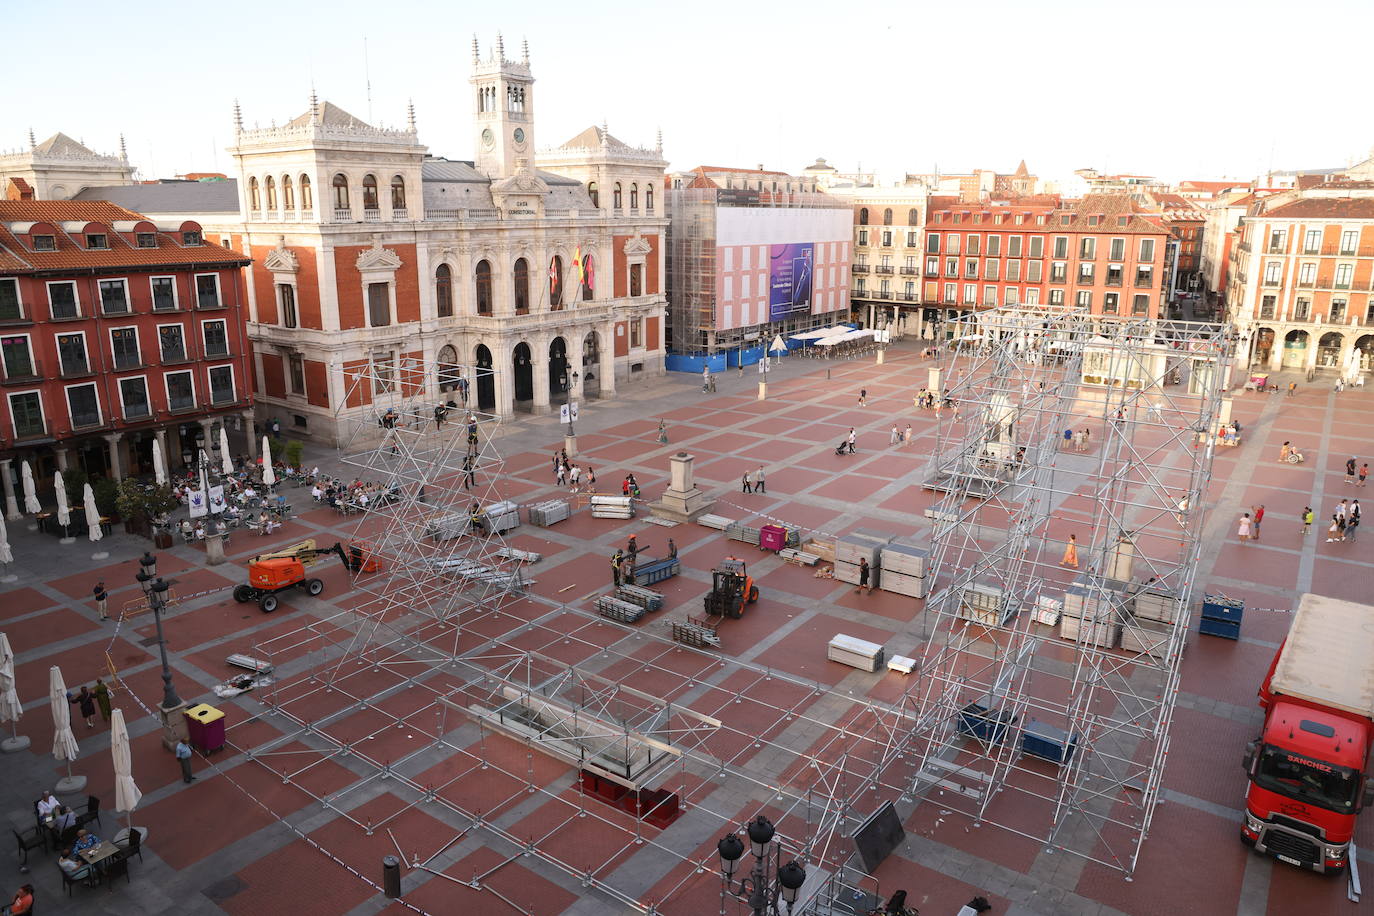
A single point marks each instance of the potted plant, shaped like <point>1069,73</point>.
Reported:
<point>295,449</point>
<point>141,504</point>
<point>106,493</point>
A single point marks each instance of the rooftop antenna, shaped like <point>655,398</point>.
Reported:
<point>367,75</point>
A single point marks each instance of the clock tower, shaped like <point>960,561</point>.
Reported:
<point>503,93</point>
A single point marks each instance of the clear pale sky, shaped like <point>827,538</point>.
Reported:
<point>1174,88</point>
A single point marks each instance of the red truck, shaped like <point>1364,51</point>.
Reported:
<point>1307,769</point>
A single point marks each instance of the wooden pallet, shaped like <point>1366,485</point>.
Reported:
<point>800,557</point>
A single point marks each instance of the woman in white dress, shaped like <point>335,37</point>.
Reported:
<point>1243,532</point>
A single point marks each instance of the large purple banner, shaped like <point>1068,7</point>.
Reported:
<point>789,280</point>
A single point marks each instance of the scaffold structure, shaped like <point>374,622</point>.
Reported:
<point>1073,454</point>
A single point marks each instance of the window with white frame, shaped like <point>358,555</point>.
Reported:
<point>286,299</point>
<point>1147,250</point>
<point>1140,304</point>
<point>171,342</point>
<point>296,373</point>
<point>383,371</point>
<point>10,307</point>
<point>164,293</point>
<point>951,243</point>
<point>933,243</point>
<point>222,385</point>
<point>1061,246</point>
<point>124,347</point>
<point>181,391</point>
<point>1307,274</point>
<point>1084,299</point>
<point>951,292</point>
<point>1036,248</point>
<point>991,269</point>
<point>1312,242</point>
<point>83,405</point>
<point>932,267</point>
<point>1034,271</point>
<point>207,291</point>
<point>62,300</point>
<point>636,332</point>
<point>72,358</point>
<point>970,294</point>
<point>1032,296</point>
<point>378,305</point>
<point>216,337</point>
<point>133,398</point>
<point>1349,240</point>
<point>17,356</point>
<point>1011,296</point>
<point>1272,272</point>
<point>1344,272</point>
<point>1013,271</point>
<point>973,244</point>
<point>994,246</point>
<point>26,412</point>
<point>1014,246</point>
<point>114,297</point>
<point>989,296</point>
<point>1111,303</point>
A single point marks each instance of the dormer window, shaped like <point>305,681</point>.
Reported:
<point>147,240</point>
<point>44,243</point>
<point>190,239</point>
<point>97,241</point>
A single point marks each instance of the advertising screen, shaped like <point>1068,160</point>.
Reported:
<point>789,280</point>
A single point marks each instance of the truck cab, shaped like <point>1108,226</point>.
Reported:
<point>1306,787</point>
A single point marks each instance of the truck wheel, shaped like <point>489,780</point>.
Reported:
<point>753,594</point>
<point>314,586</point>
<point>243,594</point>
<point>268,603</point>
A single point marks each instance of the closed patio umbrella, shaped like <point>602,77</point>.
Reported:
<point>226,461</point>
<point>159,465</point>
<point>10,708</point>
<point>64,745</point>
<point>92,513</point>
<point>6,554</point>
<point>269,476</point>
<point>126,792</point>
<point>31,503</point>
<point>64,512</point>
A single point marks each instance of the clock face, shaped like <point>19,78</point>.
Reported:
<point>519,135</point>
<point>488,138</point>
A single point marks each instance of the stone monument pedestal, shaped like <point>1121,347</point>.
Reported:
<point>173,725</point>
<point>682,501</point>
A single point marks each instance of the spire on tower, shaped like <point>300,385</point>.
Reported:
<point>476,54</point>
<point>123,152</point>
<point>659,140</point>
<point>410,115</point>
<point>314,105</point>
<point>525,51</point>
<point>33,144</point>
<point>605,132</point>
<point>238,117</point>
<point>500,48</point>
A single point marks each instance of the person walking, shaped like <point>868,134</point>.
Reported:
<point>102,699</point>
<point>895,437</point>
<point>1337,530</point>
<point>632,548</point>
<point>906,436</point>
<point>1341,509</point>
<point>184,758</point>
<point>748,483</point>
<point>1350,470</point>
<point>1353,523</point>
<point>1292,388</point>
<point>1306,519</point>
<point>616,559</point>
<point>468,477</point>
<point>1086,436</point>
<point>759,481</point>
<point>863,397</point>
<point>851,440</point>
<point>1245,528</point>
<point>1364,473</point>
<point>863,575</point>
<point>1068,438</point>
<point>561,474</point>
<point>1259,517</point>
<point>1070,552</point>
<point>102,599</point>
<point>575,477</point>
<point>86,701</point>
<point>591,479</point>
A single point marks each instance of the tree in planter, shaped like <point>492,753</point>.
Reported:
<point>106,496</point>
<point>139,503</point>
<point>75,480</point>
<point>295,450</point>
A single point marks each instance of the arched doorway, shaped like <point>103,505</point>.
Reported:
<point>1364,352</point>
<point>524,372</point>
<point>486,381</point>
<point>591,365</point>
<point>558,365</point>
<point>1264,346</point>
<point>1329,350</point>
<point>1295,350</point>
<point>447,368</point>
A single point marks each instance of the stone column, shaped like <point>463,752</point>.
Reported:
<point>207,425</point>
<point>607,367</point>
<point>504,368</point>
<point>62,458</point>
<point>252,436</point>
<point>166,455</point>
<point>539,353</point>
<point>116,460</point>
<point>11,503</point>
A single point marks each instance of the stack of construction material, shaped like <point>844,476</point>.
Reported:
<point>696,631</point>
<point>984,604</point>
<point>1093,611</point>
<point>646,598</point>
<point>616,609</point>
<point>741,532</point>
<point>613,507</point>
<point>502,516</point>
<point>1148,629</point>
<point>548,512</point>
<point>470,571</point>
<point>856,653</point>
<point>904,569</point>
<point>857,545</point>
<point>1048,610</point>
<point>718,522</point>
<point>519,556</point>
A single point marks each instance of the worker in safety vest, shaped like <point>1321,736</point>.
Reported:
<point>615,566</point>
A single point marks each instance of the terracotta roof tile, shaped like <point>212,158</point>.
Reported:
<point>1326,208</point>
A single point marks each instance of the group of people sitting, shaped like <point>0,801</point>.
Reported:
<point>352,497</point>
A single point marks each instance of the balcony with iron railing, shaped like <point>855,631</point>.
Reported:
<point>884,269</point>
<point>859,268</point>
<point>911,271</point>
<point>881,294</point>
<point>909,297</point>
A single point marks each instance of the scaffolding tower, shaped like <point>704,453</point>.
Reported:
<point>1064,567</point>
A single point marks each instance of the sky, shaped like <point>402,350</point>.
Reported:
<point>1198,89</point>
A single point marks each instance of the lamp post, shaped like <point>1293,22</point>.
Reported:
<point>769,881</point>
<point>155,590</point>
<point>570,437</point>
<point>214,537</point>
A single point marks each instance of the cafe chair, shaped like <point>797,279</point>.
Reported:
<point>29,839</point>
<point>39,825</point>
<point>116,865</point>
<point>68,882</point>
<point>134,843</point>
<point>92,812</point>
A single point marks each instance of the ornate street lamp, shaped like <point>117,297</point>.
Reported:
<point>769,881</point>
<point>155,590</point>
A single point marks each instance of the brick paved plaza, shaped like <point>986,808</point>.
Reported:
<point>220,844</point>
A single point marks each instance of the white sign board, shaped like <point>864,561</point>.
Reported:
<point>566,411</point>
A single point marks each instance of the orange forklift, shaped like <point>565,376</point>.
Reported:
<point>732,589</point>
<point>270,574</point>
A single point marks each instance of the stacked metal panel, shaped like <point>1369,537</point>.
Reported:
<point>549,512</point>
<point>616,609</point>
<point>742,532</point>
<point>502,516</point>
<point>857,545</point>
<point>985,604</point>
<point>857,653</point>
<point>612,507</point>
<point>1104,610</point>
<point>905,567</point>
<point>646,598</point>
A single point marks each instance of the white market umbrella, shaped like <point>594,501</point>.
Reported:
<point>777,345</point>
<point>226,461</point>
<point>63,741</point>
<point>64,512</point>
<point>269,476</point>
<point>31,503</point>
<point>127,795</point>
<point>159,465</point>
<point>6,554</point>
<point>10,707</point>
<point>92,513</point>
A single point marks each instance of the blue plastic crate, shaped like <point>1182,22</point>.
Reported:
<point>1213,626</point>
<point>989,726</point>
<point>1219,607</point>
<point>1047,742</point>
